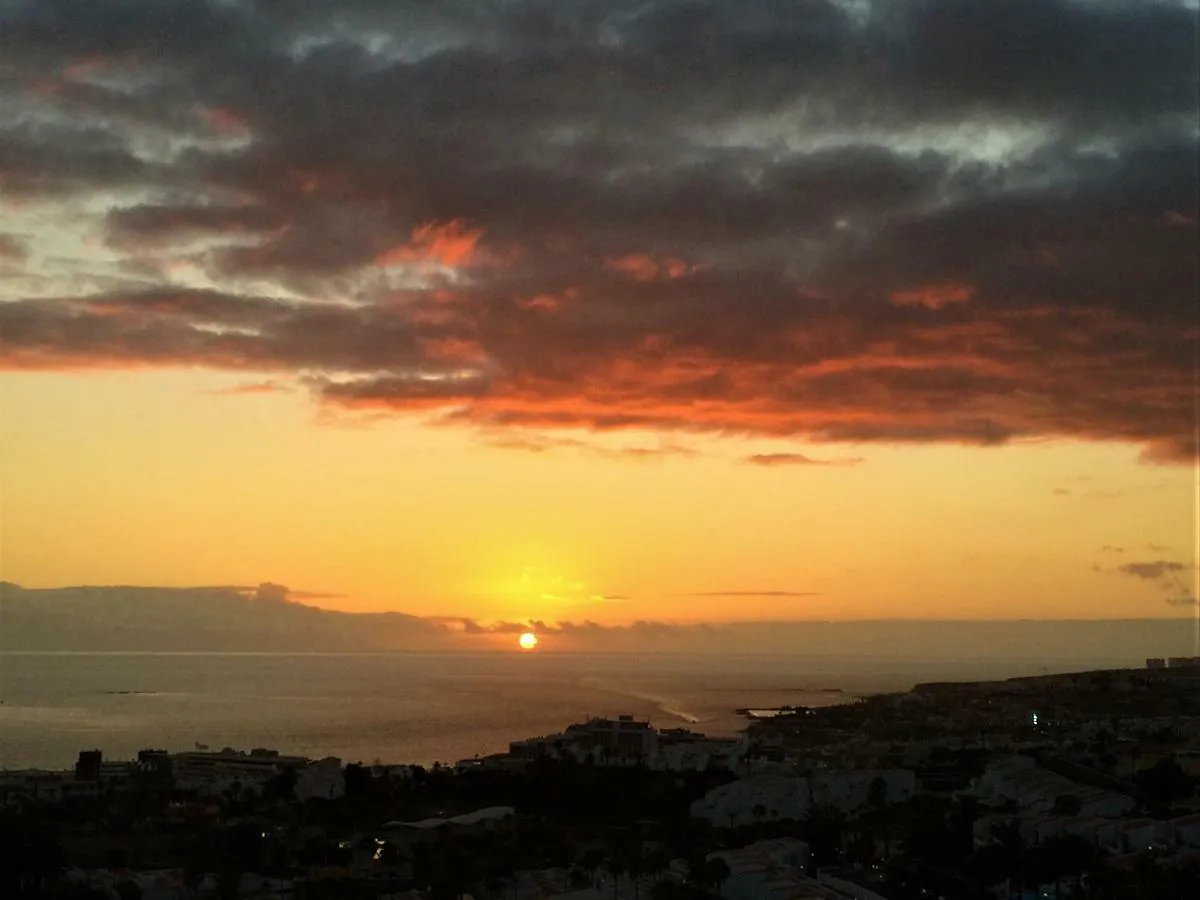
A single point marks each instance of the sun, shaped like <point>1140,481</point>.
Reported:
<point>528,640</point>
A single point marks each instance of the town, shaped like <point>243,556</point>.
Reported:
<point>1069,786</point>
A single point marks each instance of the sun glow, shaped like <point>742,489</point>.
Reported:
<point>528,640</point>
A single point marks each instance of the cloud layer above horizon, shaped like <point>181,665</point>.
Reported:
<point>934,221</point>
<point>271,618</point>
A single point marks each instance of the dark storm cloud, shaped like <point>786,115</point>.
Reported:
<point>1100,59</point>
<point>59,160</point>
<point>214,328</point>
<point>933,221</point>
<point>136,226</point>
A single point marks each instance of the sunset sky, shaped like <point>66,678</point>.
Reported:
<point>609,311</point>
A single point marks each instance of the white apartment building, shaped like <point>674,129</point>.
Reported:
<point>31,784</point>
<point>783,797</point>
<point>747,800</point>
<point>212,774</point>
<point>626,741</point>
<point>621,739</point>
<point>157,884</point>
<point>1136,835</point>
<point>1186,830</point>
<point>480,821</point>
<point>321,780</point>
<point>851,791</point>
<point>699,754</point>
<point>774,870</point>
<point>1020,780</point>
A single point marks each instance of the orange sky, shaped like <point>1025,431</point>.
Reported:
<point>162,479</point>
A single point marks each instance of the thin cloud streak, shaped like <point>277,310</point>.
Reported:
<point>1182,601</point>
<point>540,443</point>
<point>251,389</point>
<point>798,459</point>
<point>744,593</point>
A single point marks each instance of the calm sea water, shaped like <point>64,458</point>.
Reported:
<point>399,707</point>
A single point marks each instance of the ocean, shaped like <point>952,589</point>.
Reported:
<point>405,707</point>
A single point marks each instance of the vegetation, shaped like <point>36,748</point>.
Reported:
<point>595,822</point>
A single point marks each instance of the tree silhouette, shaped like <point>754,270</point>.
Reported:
<point>616,866</point>
<point>825,826</point>
<point>716,873</point>
<point>283,785</point>
<point>636,865</point>
<point>1165,781</point>
<point>590,861</point>
<point>877,793</point>
<point>1067,805</point>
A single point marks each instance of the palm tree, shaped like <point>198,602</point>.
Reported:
<point>695,867</point>
<point>391,855</point>
<point>1015,850</point>
<point>716,873</point>
<point>826,829</point>
<point>877,793</point>
<point>636,865</point>
<point>658,861</point>
<point>229,878</point>
<point>619,855</point>
<point>616,868</point>
<point>494,885</point>
<point>1066,805</point>
<point>590,861</point>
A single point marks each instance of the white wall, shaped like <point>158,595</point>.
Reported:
<point>792,798</point>
<point>323,779</point>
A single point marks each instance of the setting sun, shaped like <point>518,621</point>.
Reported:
<point>528,640</point>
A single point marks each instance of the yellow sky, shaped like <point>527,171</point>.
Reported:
<point>156,478</point>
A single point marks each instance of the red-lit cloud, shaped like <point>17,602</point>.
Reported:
<point>225,122</point>
<point>642,267</point>
<point>252,389</point>
<point>449,244</point>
